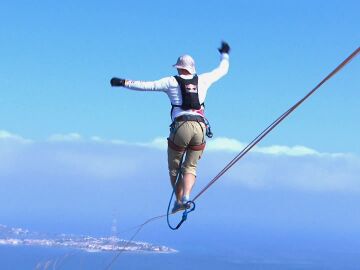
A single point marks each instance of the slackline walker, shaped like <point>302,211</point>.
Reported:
<point>187,92</point>
<point>242,153</point>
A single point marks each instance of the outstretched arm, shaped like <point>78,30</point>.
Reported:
<point>160,85</point>
<point>222,69</point>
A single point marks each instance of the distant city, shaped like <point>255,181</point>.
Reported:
<point>23,237</point>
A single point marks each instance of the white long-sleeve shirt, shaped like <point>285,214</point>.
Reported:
<point>170,86</point>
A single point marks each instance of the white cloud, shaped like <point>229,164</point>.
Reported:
<point>7,136</point>
<point>309,173</point>
<point>232,145</point>
<point>296,150</point>
<point>158,143</point>
<point>96,164</point>
<point>276,166</point>
<point>224,144</point>
<point>221,144</point>
<point>101,140</point>
<point>70,137</point>
<point>76,137</point>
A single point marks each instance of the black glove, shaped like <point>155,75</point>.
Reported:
<point>117,82</point>
<point>225,48</point>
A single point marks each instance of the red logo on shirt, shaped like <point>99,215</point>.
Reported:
<point>191,88</point>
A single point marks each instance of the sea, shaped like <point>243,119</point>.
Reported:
<point>268,256</point>
<point>204,246</point>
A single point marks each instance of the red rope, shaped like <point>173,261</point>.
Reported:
<point>266,131</point>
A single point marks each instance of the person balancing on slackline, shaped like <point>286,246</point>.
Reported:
<point>187,92</point>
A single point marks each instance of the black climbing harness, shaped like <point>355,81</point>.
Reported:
<point>197,118</point>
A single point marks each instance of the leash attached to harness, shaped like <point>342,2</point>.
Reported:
<point>190,205</point>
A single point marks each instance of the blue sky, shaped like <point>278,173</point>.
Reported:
<point>57,59</point>
<point>70,142</point>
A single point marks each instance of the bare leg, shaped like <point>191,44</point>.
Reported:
<point>179,189</point>
<point>188,183</point>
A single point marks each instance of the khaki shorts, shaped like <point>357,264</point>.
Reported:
<point>185,134</point>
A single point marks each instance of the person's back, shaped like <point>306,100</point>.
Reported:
<point>187,93</point>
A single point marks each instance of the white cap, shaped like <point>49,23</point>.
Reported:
<point>186,62</point>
